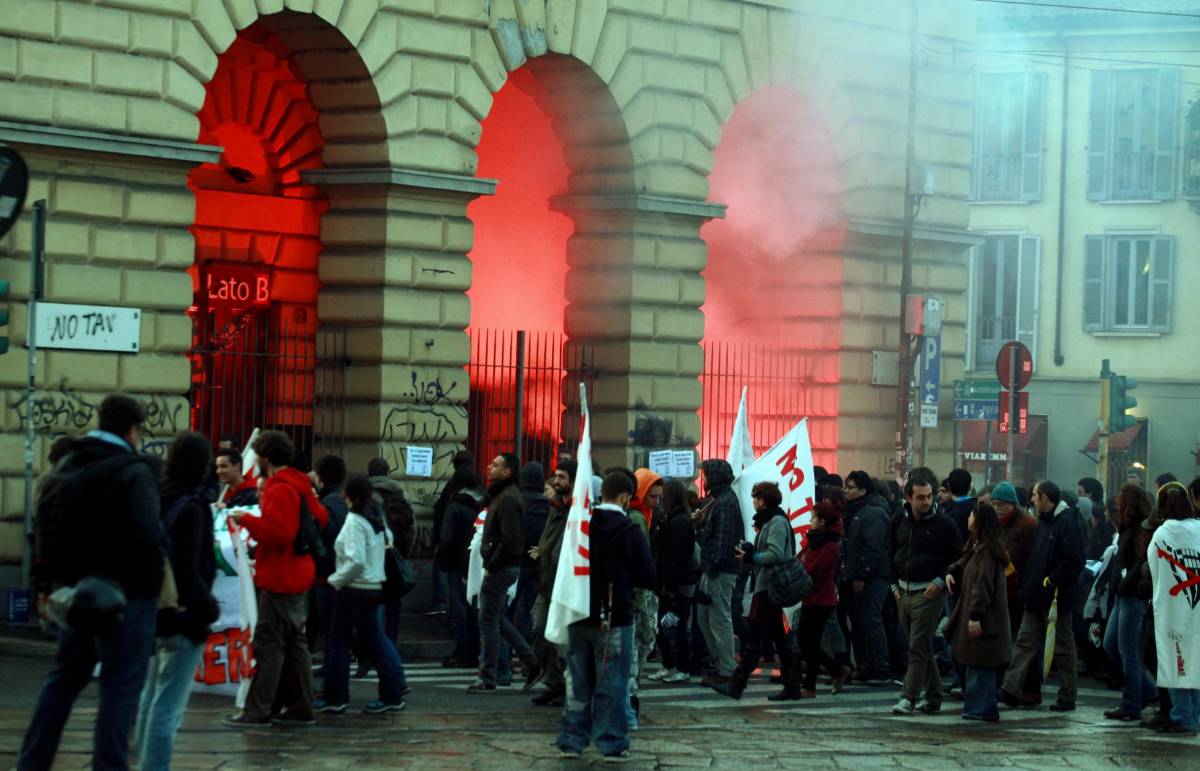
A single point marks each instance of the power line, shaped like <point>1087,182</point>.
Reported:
<point>1072,55</point>
<point>1093,8</point>
<point>1061,62</point>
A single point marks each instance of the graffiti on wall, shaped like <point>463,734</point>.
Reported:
<point>433,416</point>
<point>654,432</point>
<point>55,412</point>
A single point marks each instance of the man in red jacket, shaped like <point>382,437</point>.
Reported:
<point>283,578</point>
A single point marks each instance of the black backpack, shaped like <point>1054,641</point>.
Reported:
<point>72,525</point>
<point>308,535</point>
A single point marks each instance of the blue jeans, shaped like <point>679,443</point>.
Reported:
<point>169,682</point>
<point>1122,643</point>
<point>494,624</point>
<point>981,693</point>
<point>1185,706</point>
<point>357,611</point>
<point>869,606</point>
<point>464,622</point>
<point>598,667</point>
<point>123,662</point>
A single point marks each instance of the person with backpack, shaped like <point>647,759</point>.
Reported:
<point>398,513</point>
<point>182,631</point>
<point>99,525</point>
<point>678,568</point>
<point>359,581</point>
<point>331,475</point>
<point>773,545</point>
<point>288,536</point>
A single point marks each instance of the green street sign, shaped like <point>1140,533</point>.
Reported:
<point>977,389</point>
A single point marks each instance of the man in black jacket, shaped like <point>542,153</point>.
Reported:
<point>532,483</point>
<point>600,648</point>
<point>1050,576</point>
<point>721,531</point>
<point>961,502</point>
<point>502,549</point>
<point>924,544</point>
<point>867,566</point>
<point>99,515</point>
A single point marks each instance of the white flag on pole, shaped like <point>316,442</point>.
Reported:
<point>475,558</point>
<point>741,451</point>
<point>571,600</point>
<point>789,464</point>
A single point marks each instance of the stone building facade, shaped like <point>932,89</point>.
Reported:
<point>107,102</point>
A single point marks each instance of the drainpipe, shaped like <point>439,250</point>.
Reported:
<point>1062,202</point>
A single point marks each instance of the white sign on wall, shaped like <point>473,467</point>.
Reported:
<point>418,461</point>
<point>88,327</point>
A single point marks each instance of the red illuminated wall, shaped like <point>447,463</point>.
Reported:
<point>252,209</point>
<point>774,275</point>
<point>519,268</point>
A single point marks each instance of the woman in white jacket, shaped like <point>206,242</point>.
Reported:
<point>358,578</point>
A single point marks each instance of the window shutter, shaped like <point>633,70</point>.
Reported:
<point>1032,140</point>
<point>1093,284</point>
<point>1160,283</point>
<point>1166,132</point>
<point>1098,150</point>
<point>972,305</point>
<point>1028,267</point>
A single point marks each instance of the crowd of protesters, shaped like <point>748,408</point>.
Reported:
<point>934,587</point>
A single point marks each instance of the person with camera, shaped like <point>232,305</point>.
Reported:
<point>358,578</point>
<point>99,530</point>
<point>284,572</point>
<point>772,545</point>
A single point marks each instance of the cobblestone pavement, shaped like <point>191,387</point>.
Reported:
<point>683,726</point>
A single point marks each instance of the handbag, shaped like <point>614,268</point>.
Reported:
<point>788,582</point>
<point>398,575</point>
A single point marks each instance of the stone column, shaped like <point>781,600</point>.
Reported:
<point>394,273</point>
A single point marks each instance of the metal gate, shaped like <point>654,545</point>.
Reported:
<point>271,370</point>
<point>525,394</point>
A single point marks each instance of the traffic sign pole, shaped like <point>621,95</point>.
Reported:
<point>37,255</point>
<point>1014,420</point>
<point>1103,427</point>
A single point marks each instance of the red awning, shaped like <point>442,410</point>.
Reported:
<point>1119,442</point>
<point>974,437</point>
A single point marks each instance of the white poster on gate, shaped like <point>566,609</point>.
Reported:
<point>789,464</point>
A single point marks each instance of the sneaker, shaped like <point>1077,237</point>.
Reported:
<point>677,677</point>
<point>928,707</point>
<point>481,687</point>
<point>293,718</point>
<point>240,720</point>
<point>566,753</point>
<point>329,709</point>
<point>381,707</point>
<point>661,675</point>
<point>955,692</point>
<point>904,707</point>
<point>618,757</point>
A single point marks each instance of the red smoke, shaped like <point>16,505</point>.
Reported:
<point>774,272</point>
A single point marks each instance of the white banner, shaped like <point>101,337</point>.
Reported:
<point>741,451</point>
<point>1174,557</point>
<point>227,663</point>
<point>572,597</point>
<point>475,559</point>
<point>789,464</point>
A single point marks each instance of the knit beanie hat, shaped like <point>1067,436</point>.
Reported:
<point>1004,492</point>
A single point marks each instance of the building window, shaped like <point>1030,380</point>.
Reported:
<point>1008,137</point>
<point>1191,152</point>
<point>1132,134</point>
<point>1004,297</point>
<point>1127,283</point>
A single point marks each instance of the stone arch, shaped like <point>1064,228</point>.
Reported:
<point>289,97</point>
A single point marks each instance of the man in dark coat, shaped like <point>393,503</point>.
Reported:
<point>537,509</point>
<point>502,550</point>
<point>961,502</point>
<point>867,551</point>
<point>722,530</point>
<point>1050,576</point>
<point>547,551</point>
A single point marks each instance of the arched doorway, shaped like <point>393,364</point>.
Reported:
<point>258,359</point>
<point>552,139</point>
<point>773,307</point>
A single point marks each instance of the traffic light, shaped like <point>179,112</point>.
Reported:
<point>4,317</point>
<point>1119,401</point>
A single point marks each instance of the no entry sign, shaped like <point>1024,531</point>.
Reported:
<point>1024,365</point>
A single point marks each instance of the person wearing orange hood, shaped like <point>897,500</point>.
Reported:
<point>645,606</point>
<point>283,579</point>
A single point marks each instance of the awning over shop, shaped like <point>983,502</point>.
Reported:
<point>974,439</point>
<point>1119,442</point>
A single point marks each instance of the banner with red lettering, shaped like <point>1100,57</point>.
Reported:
<point>790,465</point>
<point>571,600</point>
<point>227,663</point>
<point>1174,559</point>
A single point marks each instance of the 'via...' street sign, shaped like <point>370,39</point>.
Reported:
<point>977,389</point>
<point>976,409</point>
<point>88,327</point>
<point>931,378</point>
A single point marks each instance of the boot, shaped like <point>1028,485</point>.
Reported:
<point>735,686</point>
<point>789,675</point>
